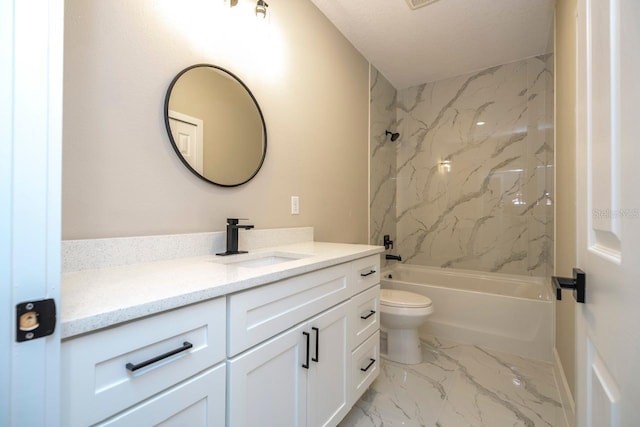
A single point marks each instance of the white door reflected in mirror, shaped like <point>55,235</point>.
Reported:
<point>188,133</point>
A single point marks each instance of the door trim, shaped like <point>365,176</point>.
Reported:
<point>31,80</point>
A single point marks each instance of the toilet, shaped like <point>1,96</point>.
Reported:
<point>401,314</point>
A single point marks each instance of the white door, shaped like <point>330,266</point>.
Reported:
<point>188,135</point>
<point>608,212</point>
<point>328,388</point>
<point>31,36</point>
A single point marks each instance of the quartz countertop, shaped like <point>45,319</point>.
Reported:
<point>98,298</point>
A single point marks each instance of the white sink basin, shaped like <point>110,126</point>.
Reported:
<point>256,260</point>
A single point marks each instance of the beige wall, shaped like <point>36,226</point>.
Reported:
<point>120,174</point>
<point>566,179</point>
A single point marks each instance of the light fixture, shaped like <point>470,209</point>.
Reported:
<point>231,3</point>
<point>480,123</point>
<point>261,8</point>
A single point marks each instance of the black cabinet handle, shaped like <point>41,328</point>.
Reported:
<point>185,346</point>
<point>368,274</point>
<point>316,359</point>
<point>365,369</point>
<point>371,313</point>
<point>306,365</point>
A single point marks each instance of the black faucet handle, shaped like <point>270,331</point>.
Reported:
<point>234,221</point>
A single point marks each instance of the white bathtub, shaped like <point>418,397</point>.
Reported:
<point>504,312</point>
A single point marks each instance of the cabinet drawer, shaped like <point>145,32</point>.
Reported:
<point>365,273</point>
<point>365,315</point>
<point>96,379</point>
<point>258,314</point>
<point>198,402</point>
<point>365,365</point>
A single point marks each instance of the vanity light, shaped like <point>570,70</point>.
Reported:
<point>480,123</point>
<point>261,9</point>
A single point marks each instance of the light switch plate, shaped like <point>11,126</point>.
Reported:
<point>295,205</point>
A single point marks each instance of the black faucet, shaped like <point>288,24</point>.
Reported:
<point>232,236</point>
<point>393,257</point>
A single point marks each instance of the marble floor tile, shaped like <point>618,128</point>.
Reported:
<point>459,385</point>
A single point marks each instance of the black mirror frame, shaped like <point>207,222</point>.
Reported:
<point>175,146</point>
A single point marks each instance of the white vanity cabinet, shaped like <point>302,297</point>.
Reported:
<point>169,368</point>
<point>296,351</point>
<point>302,375</point>
<point>298,378</point>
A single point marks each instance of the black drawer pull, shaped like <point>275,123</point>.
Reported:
<point>371,313</point>
<point>368,274</point>
<point>306,365</point>
<point>185,346</point>
<point>365,369</point>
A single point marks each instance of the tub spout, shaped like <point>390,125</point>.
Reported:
<point>393,257</point>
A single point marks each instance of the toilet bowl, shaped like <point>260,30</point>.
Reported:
<point>401,314</point>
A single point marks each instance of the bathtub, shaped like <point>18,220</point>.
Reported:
<point>504,312</point>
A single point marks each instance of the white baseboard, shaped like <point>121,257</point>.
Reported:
<point>568,404</point>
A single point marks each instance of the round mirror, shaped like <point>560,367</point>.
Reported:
<point>215,125</point>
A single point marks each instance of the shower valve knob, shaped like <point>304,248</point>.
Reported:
<point>388,243</point>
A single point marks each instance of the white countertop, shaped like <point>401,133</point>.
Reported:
<point>98,298</point>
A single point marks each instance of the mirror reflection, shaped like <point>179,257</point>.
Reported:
<point>215,125</point>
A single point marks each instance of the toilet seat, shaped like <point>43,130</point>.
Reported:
<point>403,299</point>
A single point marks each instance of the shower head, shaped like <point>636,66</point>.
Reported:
<point>394,135</point>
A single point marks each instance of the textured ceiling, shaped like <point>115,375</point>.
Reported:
<point>443,39</point>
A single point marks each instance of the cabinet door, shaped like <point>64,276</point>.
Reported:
<point>328,391</point>
<point>197,402</point>
<point>267,385</point>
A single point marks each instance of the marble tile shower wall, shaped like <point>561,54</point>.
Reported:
<point>383,159</point>
<point>475,170</point>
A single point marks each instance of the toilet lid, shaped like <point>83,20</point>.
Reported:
<point>395,298</point>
